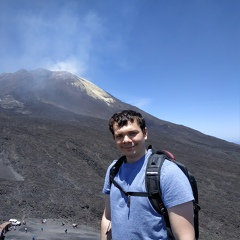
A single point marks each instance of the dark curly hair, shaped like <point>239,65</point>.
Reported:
<point>122,118</point>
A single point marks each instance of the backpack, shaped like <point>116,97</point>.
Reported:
<point>152,180</point>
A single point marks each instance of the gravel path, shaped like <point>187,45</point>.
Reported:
<point>51,230</point>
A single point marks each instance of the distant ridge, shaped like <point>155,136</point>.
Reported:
<point>61,89</point>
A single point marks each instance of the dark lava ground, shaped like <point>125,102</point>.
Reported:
<point>53,167</point>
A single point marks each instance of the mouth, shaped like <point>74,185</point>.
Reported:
<point>129,148</point>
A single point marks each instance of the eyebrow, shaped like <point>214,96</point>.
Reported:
<point>128,132</point>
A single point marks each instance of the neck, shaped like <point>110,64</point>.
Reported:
<point>135,158</point>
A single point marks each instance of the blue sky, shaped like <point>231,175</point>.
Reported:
<point>177,60</point>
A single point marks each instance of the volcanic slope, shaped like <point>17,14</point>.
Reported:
<point>55,147</point>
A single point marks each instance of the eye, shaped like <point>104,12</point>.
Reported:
<point>118,137</point>
<point>133,134</point>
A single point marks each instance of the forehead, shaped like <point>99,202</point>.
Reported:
<point>130,126</point>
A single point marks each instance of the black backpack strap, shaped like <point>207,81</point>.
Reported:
<point>196,207</point>
<point>115,168</point>
<point>153,172</point>
<point>153,175</point>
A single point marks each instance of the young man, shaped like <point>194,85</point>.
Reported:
<point>136,219</point>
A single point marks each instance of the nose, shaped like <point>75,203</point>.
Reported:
<point>126,139</point>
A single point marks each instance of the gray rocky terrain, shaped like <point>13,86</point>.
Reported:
<point>51,230</point>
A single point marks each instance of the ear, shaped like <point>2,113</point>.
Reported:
<point>145,133</point>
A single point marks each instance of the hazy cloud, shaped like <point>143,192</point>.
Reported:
<point>71,65</point>
<point>61,41</point>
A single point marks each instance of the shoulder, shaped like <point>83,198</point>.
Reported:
<point>107,184</point>
<point>170,168</point>
<point>174,184</point>
<point>113,163</point>
<point>170,172</point>
<point>110,166</point>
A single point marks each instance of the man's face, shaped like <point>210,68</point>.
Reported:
<point>130,140</point>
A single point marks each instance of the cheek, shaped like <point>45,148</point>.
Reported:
<point>141,138</point>
<point>118,143</point>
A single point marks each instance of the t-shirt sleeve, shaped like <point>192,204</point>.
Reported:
<point>175,186</point>
<point>107,186</point>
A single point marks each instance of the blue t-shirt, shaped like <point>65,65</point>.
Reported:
<point>139,220</point>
